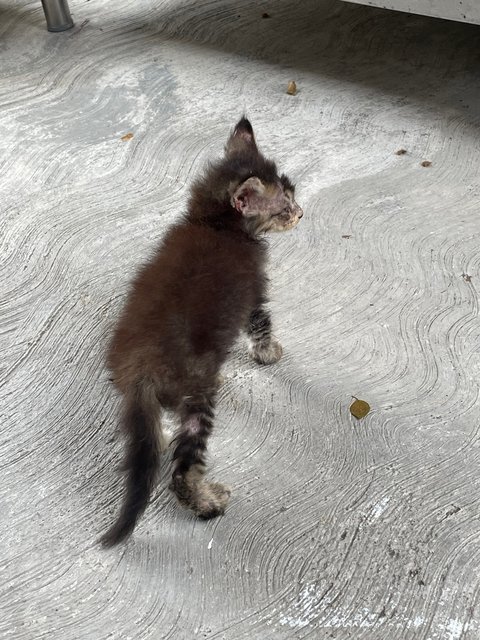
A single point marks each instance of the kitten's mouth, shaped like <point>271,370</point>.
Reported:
<point>285,225</point>
<point>297,213</point>
<point>293,223</point>
<point>279,228</point>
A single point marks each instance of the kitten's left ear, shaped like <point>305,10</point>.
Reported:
<point>249,197</point>
<point>242,139</point>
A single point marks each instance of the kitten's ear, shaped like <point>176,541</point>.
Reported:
<point>242,139</point>
<point>248,197</point>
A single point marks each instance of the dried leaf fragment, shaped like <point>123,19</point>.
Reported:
<point>292,88</point>
<point>426,163</point>
<point>466,277</point>
<point>127,136</point>
<point>359,408</point>
<point>401,152</point>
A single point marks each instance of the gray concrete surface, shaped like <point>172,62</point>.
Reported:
<point>337,528</point>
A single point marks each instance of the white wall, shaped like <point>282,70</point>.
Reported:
<point>462,10</point>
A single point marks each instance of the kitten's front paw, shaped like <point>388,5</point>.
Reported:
<point>219,380</point>
<point>165,438</point>
<point>268,354</point>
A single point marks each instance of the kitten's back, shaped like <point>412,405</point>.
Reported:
<point>187,305</point>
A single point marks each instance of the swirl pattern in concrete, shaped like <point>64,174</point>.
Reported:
<point>337,528</point>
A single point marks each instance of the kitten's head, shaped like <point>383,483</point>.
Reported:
<point>264,199</point>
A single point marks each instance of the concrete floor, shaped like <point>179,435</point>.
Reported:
<point>337,528</point>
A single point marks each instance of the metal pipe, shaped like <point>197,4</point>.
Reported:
<point>57,15</point>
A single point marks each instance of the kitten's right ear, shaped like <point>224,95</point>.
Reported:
<point>248,198</point>
<point>242,139</point>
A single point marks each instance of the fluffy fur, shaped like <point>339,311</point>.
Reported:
<point>204,285</point>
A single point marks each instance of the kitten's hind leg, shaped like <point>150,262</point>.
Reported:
<point>165,430</point>
<point>264,348</point>
<point>205,499</point>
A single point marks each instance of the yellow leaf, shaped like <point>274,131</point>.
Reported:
<point>292,88</point>
<point>127,136</point>
<point>359,408</point>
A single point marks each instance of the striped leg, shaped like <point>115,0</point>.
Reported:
<point>264,348</point>
<point>206,499</point>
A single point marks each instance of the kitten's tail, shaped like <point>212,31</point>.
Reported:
<point>142,459</point>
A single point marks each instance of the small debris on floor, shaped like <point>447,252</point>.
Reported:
<point>292,88</point>
<point>346,236</point>
<point>359,408</point>
<point>265,15</point>
<point>426,163</point>
<point>401,152</point>
<point>466,277</point>
<point>452,511</point>
<point>127,136</point>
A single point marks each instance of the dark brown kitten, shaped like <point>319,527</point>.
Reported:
<point>185,310</point>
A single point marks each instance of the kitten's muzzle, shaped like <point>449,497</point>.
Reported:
<point>297,213</point>
<point>292,220</point>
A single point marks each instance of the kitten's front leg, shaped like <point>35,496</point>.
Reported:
<point>264,348</point>
<point>206,499</point>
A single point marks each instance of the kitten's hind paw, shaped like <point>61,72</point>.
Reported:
<point>206,499</point>
<point>212,500</point>
<point>266,354</point>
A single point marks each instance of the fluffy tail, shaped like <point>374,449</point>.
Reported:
<point>141,461</point>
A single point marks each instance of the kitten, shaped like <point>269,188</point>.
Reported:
<point>185,309</point>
